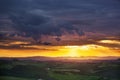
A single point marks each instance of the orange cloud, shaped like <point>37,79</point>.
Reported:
<point>110,41</point>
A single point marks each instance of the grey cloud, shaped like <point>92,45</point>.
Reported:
<point>33,18</point>
<point>36,23</point>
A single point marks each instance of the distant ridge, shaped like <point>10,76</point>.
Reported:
<point>64,59</point>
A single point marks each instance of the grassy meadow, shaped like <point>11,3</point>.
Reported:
<point>48,70</point>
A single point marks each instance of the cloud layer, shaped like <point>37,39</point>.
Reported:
<point>51,21</point>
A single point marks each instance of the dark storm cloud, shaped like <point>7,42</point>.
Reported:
<point>33,18</point>
<point>9,6</point>
<point>6,5</point>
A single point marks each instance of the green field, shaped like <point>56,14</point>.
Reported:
<point>12,78</point>
<point>35,70</point>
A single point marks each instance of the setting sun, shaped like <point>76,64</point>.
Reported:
<point>72,51</point>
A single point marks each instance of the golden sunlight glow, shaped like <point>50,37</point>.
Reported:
<point>89,50</point>
<point>62,51</point>
<point>110,41</point>
<point>72,51</point>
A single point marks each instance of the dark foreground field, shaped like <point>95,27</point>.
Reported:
<point>14,69</point>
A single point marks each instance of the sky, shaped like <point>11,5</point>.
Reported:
<point>59,28</point>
